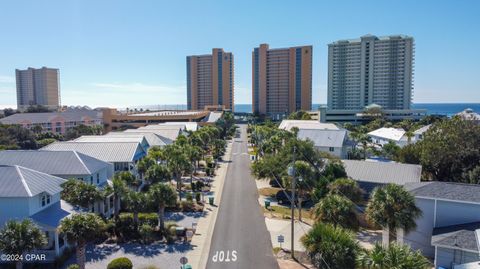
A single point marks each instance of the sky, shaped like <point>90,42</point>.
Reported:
<point>130,53</point>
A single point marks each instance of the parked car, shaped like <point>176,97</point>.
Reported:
<point>283,197</point>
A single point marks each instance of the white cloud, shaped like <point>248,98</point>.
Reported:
<point>7,79</point>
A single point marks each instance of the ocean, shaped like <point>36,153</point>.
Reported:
<point>449,109</point>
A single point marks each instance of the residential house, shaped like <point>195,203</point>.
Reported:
<point>333,142</point>
<point>26,193</point>
<point>153,139</point>
<point>419,133</point>
<point>138,138</point>
<point>371,174</point>
<point>385,135</point>
<point>449,229</point>
<point>469,114</point>
<point>66,165</point>
<point>306,124</point>
<point>122,155</point>
<point>170,132</point>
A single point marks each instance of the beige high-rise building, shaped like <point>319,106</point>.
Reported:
<point>281,80</point>
<point>210,80</point>
<point>38,87</point>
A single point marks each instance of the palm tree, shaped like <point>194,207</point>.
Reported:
<point>144,164</point>
<point>395,256</point>
<point>305,182</point>
<point>20,237</point>
<point>330,247</point>
<point>392,207</point>
<point>80,229</point>
<point>162,195</point>
<point>79,193</point>
<point>348,188</point>
<point>136,202</point>
<point>118,188</point>
<point>178,163</point>
<point>157,173</point>
<point>337,210</point>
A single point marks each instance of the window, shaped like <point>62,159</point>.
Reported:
<point>91,180</point>
<point>331,149</point>
<point>98,178</point>
<point>45,199</point>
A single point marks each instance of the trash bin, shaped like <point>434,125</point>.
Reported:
<point>187,266</point>
<point>267,204</point>
<point>180,231</point>
<point>210,200</point>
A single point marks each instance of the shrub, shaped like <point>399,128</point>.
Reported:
<point>146,232</point>
<point>170,224</point>
<point>73,266</point>
<point>187,206</point>
<point>189,197</point>
<point>120,263</point>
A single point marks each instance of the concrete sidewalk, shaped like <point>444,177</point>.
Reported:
<point>278,227</point>
<point>198,257</point>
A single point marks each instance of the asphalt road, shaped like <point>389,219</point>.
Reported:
<point>240,237</point>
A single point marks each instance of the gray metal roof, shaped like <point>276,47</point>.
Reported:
<point>324,138</point>
<point>457,236</point>
<point>60,163</point>
<point>446,190</point>
<point>170,134</point>
<point>152,138</point>
<point>422,130</point>
<point>109,152</point>
<point>18,181</point>
<point>382,172</point>
<point>75,115</point>
<point>53,215</point>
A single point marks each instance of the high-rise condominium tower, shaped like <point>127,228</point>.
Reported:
<point>371,70</point>
<point>37,87</point>
<point>210,80</point>
<point>281,80</point>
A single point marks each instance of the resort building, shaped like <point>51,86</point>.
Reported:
<point>449,228</point>
<point>116,120</point>
<point>26,193</point>
<point>281,80</point>
<point>210,80</point>
<point>56,122</point>
<point>371,71</point>
<point>38,87</point>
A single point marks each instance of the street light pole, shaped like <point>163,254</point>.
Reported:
<point>292,203</point>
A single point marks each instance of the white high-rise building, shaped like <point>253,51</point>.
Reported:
<point>37,87</point>
<point>371,70</point>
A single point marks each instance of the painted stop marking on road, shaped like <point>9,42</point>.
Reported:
<point>224,256</point>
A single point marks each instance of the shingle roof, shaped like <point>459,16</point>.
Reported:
<point>458,236</point>
<point>108,152</point>
<point>324,138</point>
<point>53,162</point>
<point>446,190</point>
<point>306,124</point>
<point>152,138</point>
<point>382,172</point>
<point>18,181</point>
<point>77,115</point>
<point>389,133</point>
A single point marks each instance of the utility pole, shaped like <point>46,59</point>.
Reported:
<point>292,202</point>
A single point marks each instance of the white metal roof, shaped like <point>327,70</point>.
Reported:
<point>389,133</point>
<point>108,152</point>
<point>61,163</point>
<point>170,134</point>
<point>324,138</point>
<point>18,181</point>
<point>37,118</point>
<point>152,138</point>
<point>306,124</point>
